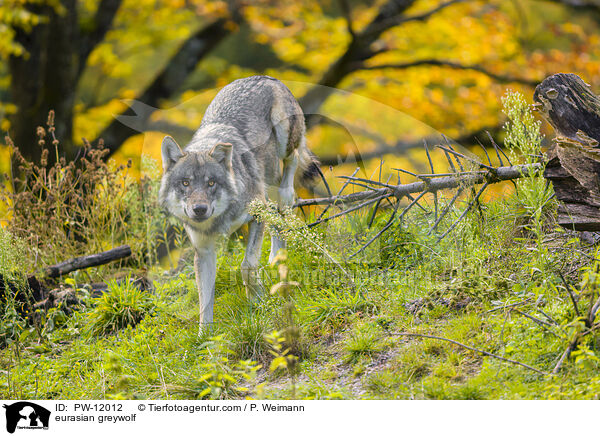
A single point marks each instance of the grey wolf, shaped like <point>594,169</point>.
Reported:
<point>250,144</point>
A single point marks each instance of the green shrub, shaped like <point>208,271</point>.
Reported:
<point>14,290</point>
<point>523,135</point>
<point>334,306</point>
<point>84,206</point>
<point>364,341</point>
<point>12,255</point>
<point>248,337</point>
<point>532,204</point>
<point>219,377</point>
<point>122,305</point>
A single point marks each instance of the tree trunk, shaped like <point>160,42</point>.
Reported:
<point>45,78</point>
<point>569,105</point>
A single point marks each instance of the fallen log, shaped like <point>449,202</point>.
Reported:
<point>32,293</point>
<point>88,261</point>
<point>573,110</point>
<point>28,293</point>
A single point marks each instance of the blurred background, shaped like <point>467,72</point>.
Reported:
<point>373,77</point>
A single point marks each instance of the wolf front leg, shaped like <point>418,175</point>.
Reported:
<point>205,266</point>
<point>250,276</point>
<point>285,198</point>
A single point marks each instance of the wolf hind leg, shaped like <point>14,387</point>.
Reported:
<point>249,268</point>
<point>205,267</point>
<point>285,198</point>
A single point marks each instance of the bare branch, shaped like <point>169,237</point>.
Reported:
<point>462,215</point>
<point>400,19</point>
<point>88,261</point>
<point>501,78</point>
<point>569,291</point>
<point>347,211</point>
<point>387,226</point>
<point>518,303</point>
<point>545,325</point>
<point>445,211</point>
<point>346,10</point>
<point>565,355</point>
<point>477,350</point>
<point>337,195</point>
<point>484,150</point>
<point>470,159</point>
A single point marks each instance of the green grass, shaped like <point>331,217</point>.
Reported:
<point>503,281</point>
<point>363,342</point>
<point>132,344</point>
<point>122,305</point>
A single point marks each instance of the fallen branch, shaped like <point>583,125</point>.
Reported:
<point>460,178</point>
<point>565,355</point>
<point>589,323</point>
<point>88,261</point>
<point>477,350</point>
<point>433,184</point>
<point>518,303</point>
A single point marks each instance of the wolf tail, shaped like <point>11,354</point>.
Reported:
<point>309,169</point>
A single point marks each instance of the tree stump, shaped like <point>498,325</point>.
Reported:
<point>573,110</point>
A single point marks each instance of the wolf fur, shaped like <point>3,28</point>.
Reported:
<point>250,144</point>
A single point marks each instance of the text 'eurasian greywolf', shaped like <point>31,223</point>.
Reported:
<point>249,145</point>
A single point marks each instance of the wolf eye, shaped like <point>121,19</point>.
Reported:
<point>185,182</point>
<point>211,183</point>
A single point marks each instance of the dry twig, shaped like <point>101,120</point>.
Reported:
<point>477,350</point>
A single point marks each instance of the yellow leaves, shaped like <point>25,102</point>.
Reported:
<point>436,96</point>
<point>299,32</point>
<point>109,62</point>
<point>261,38</point>
<point>573,29</point>
<point>4,159</point>
<point>211,8</point>
<point>6,109</point>
<point>392,103</point>
<point>128,93</point>
<point>205,392</point>
<point>16,15</point>
<point>89,124</point>
<point>278,362</point>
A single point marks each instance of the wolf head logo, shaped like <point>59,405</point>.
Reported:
<point>26,414</point>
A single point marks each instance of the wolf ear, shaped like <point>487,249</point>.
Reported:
<point>222,153</point>
<point>171,152</point>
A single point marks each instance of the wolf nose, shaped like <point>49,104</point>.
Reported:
<point>200,209</point>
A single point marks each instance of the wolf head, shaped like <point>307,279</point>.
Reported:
<point>196,186</point>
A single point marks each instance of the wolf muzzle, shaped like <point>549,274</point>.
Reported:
<point>199,211</point>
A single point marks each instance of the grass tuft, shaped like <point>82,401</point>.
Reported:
<point>122,305</point>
